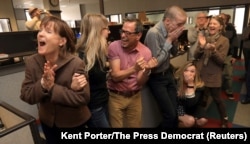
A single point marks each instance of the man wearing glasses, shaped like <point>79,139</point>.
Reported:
<point>200,27</point>
<point>130,64</point>
<point>160,39</point>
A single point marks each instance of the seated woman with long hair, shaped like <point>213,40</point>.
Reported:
<point>190,92</point>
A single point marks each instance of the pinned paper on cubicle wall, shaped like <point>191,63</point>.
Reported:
<point>3,56</point>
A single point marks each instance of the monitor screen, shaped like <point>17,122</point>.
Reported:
<point>17,42</point>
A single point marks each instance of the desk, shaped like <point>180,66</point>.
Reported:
<point>19,126</point>
<point>13,63</point>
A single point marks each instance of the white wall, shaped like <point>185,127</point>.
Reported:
<point>70,13</point>
<point>125,6</point>
<point>131,6</point>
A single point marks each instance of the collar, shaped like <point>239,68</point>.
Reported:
<point>163,29</point>
<point>136,49</point>
<point>60,62</point>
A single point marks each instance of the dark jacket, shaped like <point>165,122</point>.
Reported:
<point>230,33</point>
<point>98,86</point>
<point>246,37</point>
<point>193,106</point>
<point>62,106</point>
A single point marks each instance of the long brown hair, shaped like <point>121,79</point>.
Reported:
<point>182,85</point>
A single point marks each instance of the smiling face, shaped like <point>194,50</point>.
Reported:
<point>49,41</point>
<point>129,37</point>
<point>201,20</point>
<point>214,26</point>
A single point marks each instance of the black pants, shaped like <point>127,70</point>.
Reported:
<point>163,88</point>
<point>52,134</point>
<point>248,82</point>
<point>246,53</point>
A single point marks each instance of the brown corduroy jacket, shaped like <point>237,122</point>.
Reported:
<point>211,73</point>
<point>62,106</point>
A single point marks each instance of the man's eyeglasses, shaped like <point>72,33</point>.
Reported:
<point>201,17</point>
<point>127,33</point>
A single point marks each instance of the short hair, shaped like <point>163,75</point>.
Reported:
<point>172,11</point>
<point>138,24</point>
<point>227,17</point>
<point>220,20</point>
<point>202,13</point>
<point>63,29</point>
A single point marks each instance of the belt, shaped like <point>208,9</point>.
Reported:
<point>160,73</point>
<point>125,93</point>
<point>166,72</point>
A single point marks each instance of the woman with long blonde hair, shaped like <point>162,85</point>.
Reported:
<point>92,48</point>
<point>190,91</point>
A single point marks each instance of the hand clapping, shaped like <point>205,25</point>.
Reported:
<point>203,43</point>
<point>48,77</point>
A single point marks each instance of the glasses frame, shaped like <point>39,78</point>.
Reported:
<point>127,33</point>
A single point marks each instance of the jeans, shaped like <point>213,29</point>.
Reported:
<point>99,118</point>
<point>163,88</point>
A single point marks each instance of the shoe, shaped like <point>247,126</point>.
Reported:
<point>224,126</point>
<point>230,96</point>
<point>224,123</point>
<point>245,101</point>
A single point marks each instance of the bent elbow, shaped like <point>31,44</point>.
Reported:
<point>114,77</point>
<point>29,101</point>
